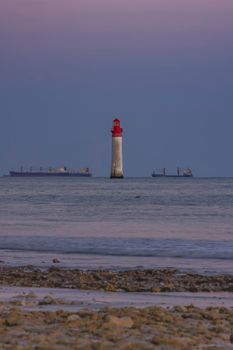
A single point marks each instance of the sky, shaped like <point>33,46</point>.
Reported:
<point>164,67</point>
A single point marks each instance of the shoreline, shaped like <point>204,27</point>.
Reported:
<point>69,261</point>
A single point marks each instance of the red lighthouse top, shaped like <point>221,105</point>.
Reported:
<point>116,128</point>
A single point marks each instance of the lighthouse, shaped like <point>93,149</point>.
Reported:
<point>117,156</point>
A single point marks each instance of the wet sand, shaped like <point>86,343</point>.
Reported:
<point>137,309</point>
<point>74,299</point>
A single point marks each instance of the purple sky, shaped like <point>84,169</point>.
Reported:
<point>165,67</point>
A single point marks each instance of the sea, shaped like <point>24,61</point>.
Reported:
<point>95,223</point>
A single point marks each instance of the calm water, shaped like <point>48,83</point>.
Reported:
<point>90,223</point>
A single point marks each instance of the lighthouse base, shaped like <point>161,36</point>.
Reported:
<point>116,177</point>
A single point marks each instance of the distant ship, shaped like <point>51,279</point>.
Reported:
<point>186,172</point>
<point>63,171</point>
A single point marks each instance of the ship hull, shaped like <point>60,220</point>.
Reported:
<point>47,174</point>
<point>161,175</point>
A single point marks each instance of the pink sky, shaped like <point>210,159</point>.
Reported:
<point>83,30</point>
<point>125,20</point>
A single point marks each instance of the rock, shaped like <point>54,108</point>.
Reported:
<point>135,344</point>
<point>104,345</point>
<point>31,295</point>
<point>85,345</point>
<point>155,290</point>
<point>172,343</point>
<point>125,322</point>
<point>12,321</point>
<point>47,300</point>
<point>56,261</point>
<point>74,317</point>
<point>231,338</point>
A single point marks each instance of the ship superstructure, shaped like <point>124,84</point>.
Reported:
<point>180,172</point>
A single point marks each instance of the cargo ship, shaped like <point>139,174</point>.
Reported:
<point>186,172</point>
<point>63,171</point>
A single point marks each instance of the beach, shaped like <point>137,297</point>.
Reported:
<point>91,265</point>
<point>137,309</point>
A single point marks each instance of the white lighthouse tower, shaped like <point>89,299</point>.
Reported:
<point>117,156</point>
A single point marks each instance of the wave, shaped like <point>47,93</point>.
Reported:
<point>133,247</point>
